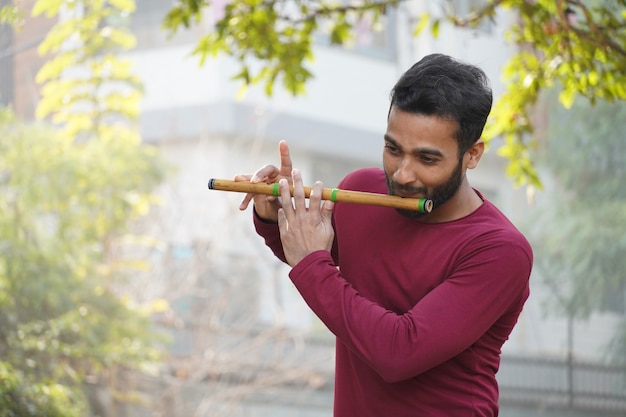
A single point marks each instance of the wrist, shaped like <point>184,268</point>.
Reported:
<point>263,219</point>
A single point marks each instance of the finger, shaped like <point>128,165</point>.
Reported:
<point>267,173</point>
<point>285,159</point>
<point>327,212</point>
<point>283,225</point>
<point>242,177</point>
<point>246,201</point>
<point>285,198</point>
<point>315,199</point>
<point>298,192</point>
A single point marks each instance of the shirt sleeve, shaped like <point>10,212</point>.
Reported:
<point>488,283</point>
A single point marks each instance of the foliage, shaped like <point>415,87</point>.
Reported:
<point>579,240</point>
<point>60,204</point>
<point>566,44</point>
<point>87,88</point>
<point>277,33</point>
<point>21,399</point>
<point>9,14</point>
<point>66,194</point>
<point>578,46</point>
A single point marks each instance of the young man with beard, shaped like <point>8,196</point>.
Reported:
<point>420,304</point>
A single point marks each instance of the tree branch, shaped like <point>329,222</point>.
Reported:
<point>602,41</point>
<point>475,16</point>
<point>327,11</point>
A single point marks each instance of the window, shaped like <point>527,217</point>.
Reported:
<point>150,13</point>
<point>370,37</point>
<point>146,21</point>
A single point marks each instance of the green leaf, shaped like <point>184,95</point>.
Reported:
<point>567,97</point>
<point>422,23</point>
<point>49,7</point>
<point>434,30</point>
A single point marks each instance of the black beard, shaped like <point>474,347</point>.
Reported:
<point>439,194</point>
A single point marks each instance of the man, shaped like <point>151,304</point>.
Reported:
<point>420,303</point>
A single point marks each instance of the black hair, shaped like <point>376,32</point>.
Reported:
<point>439,85</point>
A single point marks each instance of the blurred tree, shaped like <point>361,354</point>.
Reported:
<point>580,44</point>
<point>66,193</point>
<point>60,319</point>
<point>21,398</point>
<point>579,235</point>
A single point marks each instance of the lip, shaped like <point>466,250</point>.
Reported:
<point>407,195</point>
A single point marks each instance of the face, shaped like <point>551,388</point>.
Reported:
<point>421,158</point>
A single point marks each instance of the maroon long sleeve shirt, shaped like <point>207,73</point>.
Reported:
<point>420,310</point>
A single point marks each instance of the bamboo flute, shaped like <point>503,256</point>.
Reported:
<point>422,205</point>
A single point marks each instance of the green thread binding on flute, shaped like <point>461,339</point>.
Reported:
<point>333,195</point>
<point>421,203</point>
<point>276,190</point>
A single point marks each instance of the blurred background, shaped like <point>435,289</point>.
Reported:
<point>127,288</point>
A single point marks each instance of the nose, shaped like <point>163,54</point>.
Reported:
<point>404,173</point>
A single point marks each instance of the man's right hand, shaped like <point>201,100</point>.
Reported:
<point>265,206</point>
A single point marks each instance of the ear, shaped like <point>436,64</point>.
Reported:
<point>473,154</point>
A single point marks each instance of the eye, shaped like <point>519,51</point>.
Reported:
<point>392,149</point>
<point>427,159</point>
